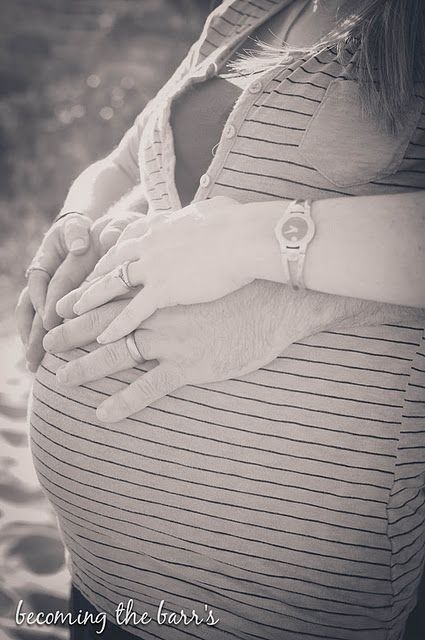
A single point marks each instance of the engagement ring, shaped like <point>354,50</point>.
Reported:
<point>122,274</point>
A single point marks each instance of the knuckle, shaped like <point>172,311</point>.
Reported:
<point>148,386</point>
<point>113,355</point>
<point>71,223</point>
<point>163,378</point>
<point>76,222</point>
<point>93,319</point>
<point>74,229</point>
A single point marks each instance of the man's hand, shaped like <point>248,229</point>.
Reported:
<point>202,343</point>
<point>193,344</point>
<point>68,236</point>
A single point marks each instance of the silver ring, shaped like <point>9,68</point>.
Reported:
<point>34,267</point>
<point>122,274</point>
<point>133,349</point>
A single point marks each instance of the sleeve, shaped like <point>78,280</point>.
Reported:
<point>125,155</point>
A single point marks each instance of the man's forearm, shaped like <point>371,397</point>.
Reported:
<point>310,312</point>
<point>363,312</point>
<point>97,188</point>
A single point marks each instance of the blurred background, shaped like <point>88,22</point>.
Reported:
<point>73,76</point>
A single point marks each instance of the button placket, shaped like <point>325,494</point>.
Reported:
<point>229,135</point>
<point>198,73</point>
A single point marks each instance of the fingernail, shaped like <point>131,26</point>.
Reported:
<point>32,366</point>
<point>105,338</point>
<point>59,306</point>
<point>76,308</point>
<point>78,245</point>
<point>48,342</point>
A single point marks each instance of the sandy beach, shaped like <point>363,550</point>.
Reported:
<point>32,564</point>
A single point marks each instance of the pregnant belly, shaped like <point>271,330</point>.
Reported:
<point>262,502</point>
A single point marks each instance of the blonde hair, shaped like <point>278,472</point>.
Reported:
<point>388,37</point>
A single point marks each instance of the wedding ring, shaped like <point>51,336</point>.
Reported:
<point>133,349</point>
<point>122,274</point>
<point>35,267</point>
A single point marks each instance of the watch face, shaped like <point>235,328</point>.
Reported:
<point>295,229</point>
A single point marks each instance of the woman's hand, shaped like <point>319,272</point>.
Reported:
<point>68,236</point>
<point>104,233</point>
<point>199,254</point>
<point>69,252</point>
<point>71,234</point>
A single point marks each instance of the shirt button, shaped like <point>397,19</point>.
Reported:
<point>229,131</point>
<point>255,87</point>
<point>205,180</point>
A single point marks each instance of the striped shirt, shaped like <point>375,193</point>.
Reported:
<point>289,501</point>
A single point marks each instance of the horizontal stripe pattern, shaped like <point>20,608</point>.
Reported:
<point>257,494</point>
<point>290,501</point>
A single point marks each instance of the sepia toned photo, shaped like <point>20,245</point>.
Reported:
<point>212,320</point>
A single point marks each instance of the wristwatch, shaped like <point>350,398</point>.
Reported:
<point>294,231</point>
